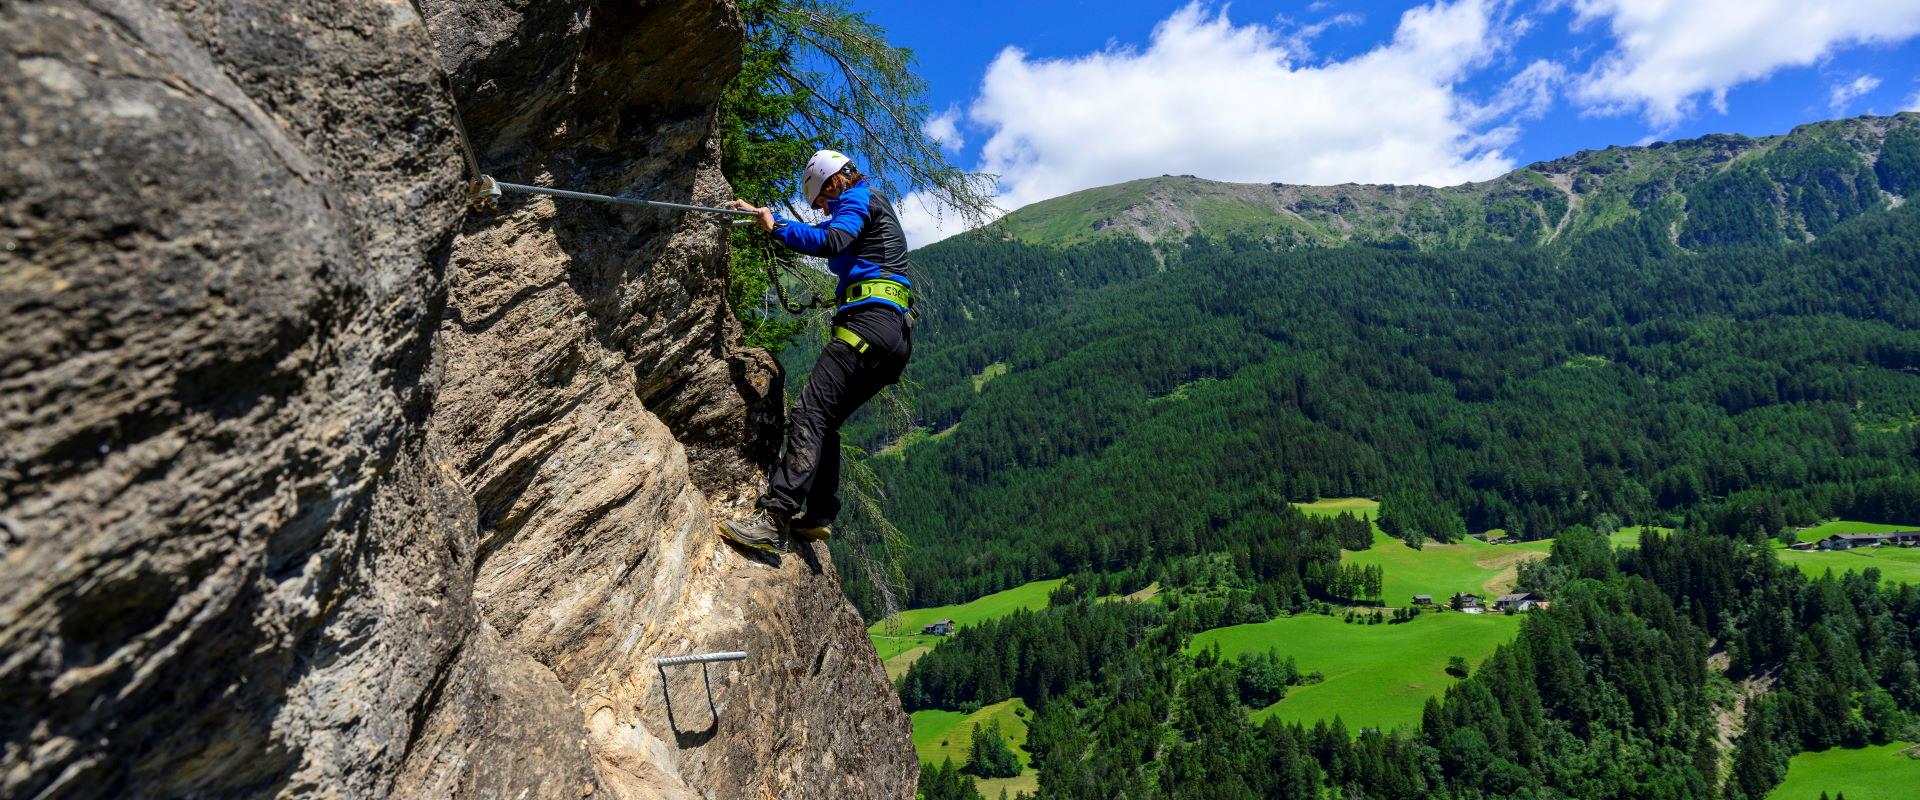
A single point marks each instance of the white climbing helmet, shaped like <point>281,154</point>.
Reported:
<point>824,164</point>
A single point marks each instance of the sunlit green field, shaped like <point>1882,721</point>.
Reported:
<point>999,604</point>
<point>896,664</point>
<point>1826,529</point>
<point>1896,564</point>
<point>1899,564</point>
<point>891,646</point>
<point>1629,536</point>
<point>1436,569</point>
<point>1335,506</point>
<point>1145,594</point>
<point>1441,570</point>
<point>1469,565</point>
<point>1376,675</point>
<point>939,735</point>
<point>1869,773</point>
<point>898,650</point>
<point>986,376</point>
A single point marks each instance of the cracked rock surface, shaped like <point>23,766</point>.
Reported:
<point>314,484</point>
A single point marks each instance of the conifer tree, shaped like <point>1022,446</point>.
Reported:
<point>988,755</point>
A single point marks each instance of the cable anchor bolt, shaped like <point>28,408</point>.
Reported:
<point>483,193</point>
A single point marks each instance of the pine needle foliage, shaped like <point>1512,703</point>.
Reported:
<point>816,74</point>
<point>821,75</point>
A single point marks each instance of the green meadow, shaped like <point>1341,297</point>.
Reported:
<point>986,376</point>
<point>939,735</point>
<point>898,640</point>
<point>897,663</point>
<point>1437,569</point>
<point>1376,675</point>
<point>999,604</point>
<point>1896,564</point>
<point>1869,773</point>
<point>1469,565</point>
<point>1441,570</point>
<point>1335,506</point>
<point>1629,536</point>
<point>1826,529</point>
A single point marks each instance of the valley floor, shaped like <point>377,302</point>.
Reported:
<point>1381,675</point>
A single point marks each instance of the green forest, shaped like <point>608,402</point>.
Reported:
<point>1114,405</point>
<point>1724,346</point>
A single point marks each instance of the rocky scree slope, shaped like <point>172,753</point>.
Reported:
<point>312,483</point>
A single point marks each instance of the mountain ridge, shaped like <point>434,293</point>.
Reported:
<point>1539,203</point>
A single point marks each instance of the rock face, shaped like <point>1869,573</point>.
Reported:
<point>315,484</point>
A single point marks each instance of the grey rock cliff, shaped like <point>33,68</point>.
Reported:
<point>313,483</point>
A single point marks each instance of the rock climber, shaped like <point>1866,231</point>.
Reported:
<point>872,339</point>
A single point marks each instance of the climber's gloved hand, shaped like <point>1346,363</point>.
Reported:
<point>764,216</point>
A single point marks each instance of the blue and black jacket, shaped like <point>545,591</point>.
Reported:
<point>861,240</point>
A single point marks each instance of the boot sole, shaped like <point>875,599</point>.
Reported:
<point>728,534</point>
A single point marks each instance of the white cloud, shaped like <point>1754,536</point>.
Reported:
<point>925,221</point>
<point>1841,95</point>
<point>1238,103</point>
<point>1529,94</point>
<point>1913,103</point>
<point>944,128</point>
<point>1299,42</point>
<point>1669,54</point>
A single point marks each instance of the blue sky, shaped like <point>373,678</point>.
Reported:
<point>1061,95</point>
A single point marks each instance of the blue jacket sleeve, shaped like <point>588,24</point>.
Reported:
<point>829,238</point>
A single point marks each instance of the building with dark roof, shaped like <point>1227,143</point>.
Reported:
<point>1848,541</point>
<point>1519,601</point>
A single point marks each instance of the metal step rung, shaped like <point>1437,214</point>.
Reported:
<point>699,658</point>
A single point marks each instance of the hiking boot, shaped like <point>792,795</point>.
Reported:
<point>813,530</point>
<point>763,531</point>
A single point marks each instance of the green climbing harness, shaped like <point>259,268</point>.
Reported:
<point>850,338</point>
<point>890,291</point>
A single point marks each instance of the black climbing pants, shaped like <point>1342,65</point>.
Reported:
<point>841,382</point>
